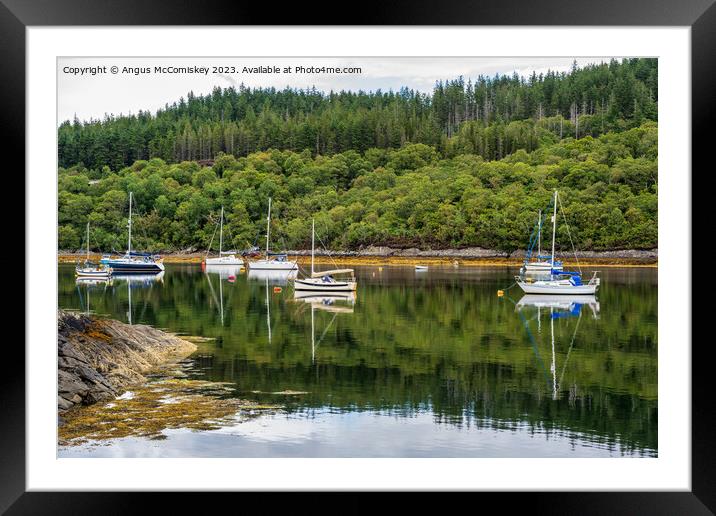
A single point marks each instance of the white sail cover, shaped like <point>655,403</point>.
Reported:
<point>333,272</point>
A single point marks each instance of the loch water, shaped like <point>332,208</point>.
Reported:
<point>417,364</point>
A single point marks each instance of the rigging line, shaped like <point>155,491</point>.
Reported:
<point>82,304</point>
<point>211,288</point>
<point>327,251</point>
<point>535,348</point>
<point>208,249</point>
<point>571,344</point>
<point>574,249</point>
<point>326,330</point>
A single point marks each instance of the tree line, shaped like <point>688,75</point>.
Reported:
<point>416,195</point>
<point>492,117</point>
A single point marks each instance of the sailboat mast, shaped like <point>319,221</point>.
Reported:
<point>554,360</point>
<point>129,224</point>
<point>554,225</point>
<point>221,300</point>
<point>87,240</point>
<point>268,228</point>
<point>539,236</point>
<point>313,336</point>
<point>221,231</point>
<point>313,245</point>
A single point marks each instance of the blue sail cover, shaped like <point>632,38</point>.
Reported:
<point>576,308</point>
<point>565,273</point>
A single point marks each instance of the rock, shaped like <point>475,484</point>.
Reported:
<point>97,358</point>
<point>647,256</point>
<point>64,404</point>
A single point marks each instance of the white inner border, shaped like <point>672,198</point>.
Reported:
<point>670,471</point>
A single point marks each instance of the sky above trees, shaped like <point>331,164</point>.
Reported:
<point>93,96</point>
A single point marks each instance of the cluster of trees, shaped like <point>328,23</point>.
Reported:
<point>491,117</point>
<point>415,195</point>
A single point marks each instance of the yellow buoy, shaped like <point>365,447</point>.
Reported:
<point>500,293</point>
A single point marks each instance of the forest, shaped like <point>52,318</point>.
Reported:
<point>468,165</point>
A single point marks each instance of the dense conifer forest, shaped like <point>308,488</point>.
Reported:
<point>468,165</point>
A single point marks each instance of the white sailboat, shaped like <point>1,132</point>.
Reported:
<point>559,281</point>
<point>325,281</point>
<point>225,257</point>
<point>272,262</point>
<point>91,271</point>
<point>541,264</point>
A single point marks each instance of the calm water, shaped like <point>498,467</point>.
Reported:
<point>428,363</point>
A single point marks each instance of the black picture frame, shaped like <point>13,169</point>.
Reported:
<point>700,15</point>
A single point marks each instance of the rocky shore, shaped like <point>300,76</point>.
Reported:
<point>476,255</point>
<point>650,255</point>
<point>98,358</point>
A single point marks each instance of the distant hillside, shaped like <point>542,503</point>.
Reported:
<point>489,116</point>
<point>407,197</point>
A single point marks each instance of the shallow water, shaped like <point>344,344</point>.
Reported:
<point>420,364</point>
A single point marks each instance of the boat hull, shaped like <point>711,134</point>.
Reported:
<point>273,265</point>
<point>133,267</point>
<point>92,274</point>
<point>224,260</point>
<point>318,285</point>
<point>557,287</point>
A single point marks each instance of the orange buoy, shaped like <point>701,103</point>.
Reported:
<point>276,290</point>
<point>232,278</point>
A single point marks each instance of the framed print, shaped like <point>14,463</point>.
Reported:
<point>418,257</point>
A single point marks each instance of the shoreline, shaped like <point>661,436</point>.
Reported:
<point>475,257</point>
<point>99,358</point>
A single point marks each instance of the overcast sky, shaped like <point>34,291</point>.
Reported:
<point>92,96</point>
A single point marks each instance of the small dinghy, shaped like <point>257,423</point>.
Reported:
<point>421,267</point>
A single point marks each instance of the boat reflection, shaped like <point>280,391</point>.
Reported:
<point>138,280</point>
<point>219,303</point>
<point>273,277</point>
<point>562,306</point>
<point>90,284</point>
<point>326,303</point>
<point>223,271</point>
<point>84,280</point>
<point>556,307</point>
<point>134,281</point>
<point>338,302</point>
